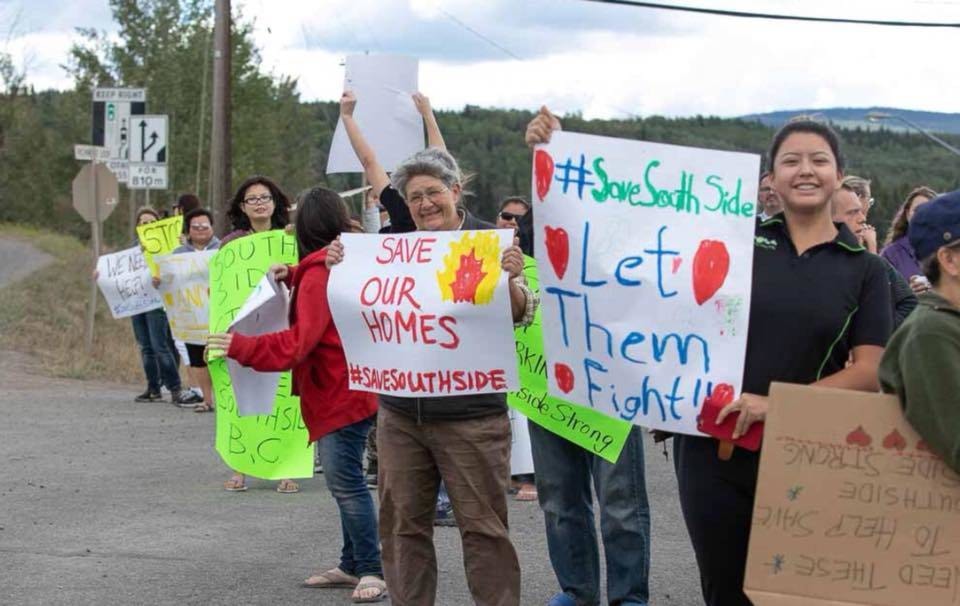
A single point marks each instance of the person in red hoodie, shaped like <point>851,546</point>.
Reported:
<point>337,419</point>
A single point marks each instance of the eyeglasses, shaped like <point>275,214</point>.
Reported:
<point>509,216</point>
<point>434,193</point>
<point>200,226</point>
<point>258,200</point>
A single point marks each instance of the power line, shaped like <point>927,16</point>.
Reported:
<point>780,17</point>
<point>478,34</point>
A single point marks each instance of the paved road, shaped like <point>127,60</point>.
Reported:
<point>105,501</point>
<point>18,259</point>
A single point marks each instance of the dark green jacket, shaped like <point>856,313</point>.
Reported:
<point>921,365</point>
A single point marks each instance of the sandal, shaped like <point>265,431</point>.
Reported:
<point>288,487</point>
<point>203,407</point>
<point>527,492</point>
<point>332,578</point>
<point>370,589</point>
<point>235,484</point>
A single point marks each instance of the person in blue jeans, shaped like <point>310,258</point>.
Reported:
<point>337,418</point>
<point>152,332</point>
<point>341,454</point>
<point>564,475</point>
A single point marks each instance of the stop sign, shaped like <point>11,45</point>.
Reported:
<point>107,191</point>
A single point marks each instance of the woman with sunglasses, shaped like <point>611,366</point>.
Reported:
<point>511,209</point>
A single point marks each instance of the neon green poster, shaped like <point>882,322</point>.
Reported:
<point>582,425</point>
<point>159,238</point>
<point>271,446</point>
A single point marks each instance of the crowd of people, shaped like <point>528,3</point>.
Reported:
<point>828,308</point>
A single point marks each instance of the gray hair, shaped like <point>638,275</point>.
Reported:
<point>433,162</point>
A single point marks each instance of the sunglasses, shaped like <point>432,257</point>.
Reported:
<point>509,216</point>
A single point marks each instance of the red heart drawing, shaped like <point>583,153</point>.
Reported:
<point>894,441</point>
<point>710,267</point>
<point>722,394</point>
<point>543,172</point>
<point>558,249</point>
<point>676,264</point>
<point>564,377</point>
<point>858,437</point>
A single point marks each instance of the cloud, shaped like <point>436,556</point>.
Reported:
<point>601,60</point>
<point>454,31</point>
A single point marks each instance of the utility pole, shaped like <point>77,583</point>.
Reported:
<point>203,109</point>
<point>220,141</point>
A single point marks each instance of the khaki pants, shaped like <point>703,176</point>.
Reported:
<point>473,458</point>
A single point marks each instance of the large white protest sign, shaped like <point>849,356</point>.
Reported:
<point>425,313</point>
<point>264,311</point>
<point>124,280</point>
<point>385,112</point>
<point>184,286</point>
<point>647,256</point>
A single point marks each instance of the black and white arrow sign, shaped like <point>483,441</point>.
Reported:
<point>148,141</point>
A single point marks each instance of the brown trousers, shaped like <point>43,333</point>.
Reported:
<point>473,458</point>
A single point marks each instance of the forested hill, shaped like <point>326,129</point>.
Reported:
<point>287,139</point>
<point>852,117</point>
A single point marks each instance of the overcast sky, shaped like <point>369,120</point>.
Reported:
<point>603,60</point>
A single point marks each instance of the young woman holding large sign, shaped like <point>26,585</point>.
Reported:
<point>257,206</point>
<point>337,418</point>
<point>820,314</point>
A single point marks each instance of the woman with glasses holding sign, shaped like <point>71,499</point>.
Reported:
<point>463,440</point>
<point>337,418</point>
<point>198,232</point>
<point>258,205</point>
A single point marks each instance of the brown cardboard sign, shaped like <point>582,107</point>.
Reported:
<point>851,508</point>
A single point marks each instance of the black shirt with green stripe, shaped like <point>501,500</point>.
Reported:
<point>809,311</point>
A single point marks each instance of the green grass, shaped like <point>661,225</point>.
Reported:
<point>44,313</point>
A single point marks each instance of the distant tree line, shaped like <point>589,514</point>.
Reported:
<point>165,46</point>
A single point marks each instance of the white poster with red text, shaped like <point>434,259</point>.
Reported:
<point>425,314</point>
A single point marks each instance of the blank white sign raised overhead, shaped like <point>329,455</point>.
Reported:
<point>384,86</point>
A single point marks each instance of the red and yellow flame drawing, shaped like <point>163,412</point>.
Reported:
<point>471,269</point>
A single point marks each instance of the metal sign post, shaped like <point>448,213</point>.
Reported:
<point>95,236</point>
<point>95,194</point>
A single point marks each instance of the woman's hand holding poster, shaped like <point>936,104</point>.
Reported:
<point>646,254</point>
<point>425,313</point>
